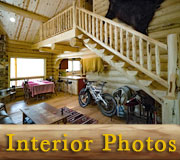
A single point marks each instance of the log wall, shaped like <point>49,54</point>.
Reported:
<point>23,50</point>
<point>55,65</point>
<point>3,63</point>
<point>166,20</point>
<point>114,78</point>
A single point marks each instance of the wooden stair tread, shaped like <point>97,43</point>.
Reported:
<point>80,36</point>
<point>100,51</point>
<point>132,73</point>
<point>87,40</point>
<point>106,57</point>
<point>160,93</point>
<point>92,45</point>
<point>120,64</point>
<point>145,82</point>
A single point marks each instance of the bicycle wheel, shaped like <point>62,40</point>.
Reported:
<point>122,94</point>
<point>109,109</point>
<point>84,98</point>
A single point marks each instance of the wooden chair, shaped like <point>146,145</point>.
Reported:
<point>27,92</point>
<point>3,107</point>
<point>7,95</point>
<point>56,87</point>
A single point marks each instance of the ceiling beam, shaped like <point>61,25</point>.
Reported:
<point>22,12</point>
<point>2,31</point>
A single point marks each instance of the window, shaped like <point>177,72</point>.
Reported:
<point>73,66</point>
<point>76,66</point>
<point>26,68</point>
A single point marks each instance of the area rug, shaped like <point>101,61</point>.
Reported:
<point>74,117</point>
<point>78,118</point>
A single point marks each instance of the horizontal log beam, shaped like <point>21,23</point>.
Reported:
<point>49,50</point>
<point>76,55</point>
<point>19,43</point>
<point>22,12</point>
<point>56,39</point>
<point>23,78</point>
<point>64,48</point>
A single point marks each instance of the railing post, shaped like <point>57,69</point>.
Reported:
<point>172,64</point>
<point>41,32</point>
<point>74,14</point>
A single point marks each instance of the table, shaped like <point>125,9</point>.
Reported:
<point>43,113</point>
<point>39,87</point>
<point>6,95</point>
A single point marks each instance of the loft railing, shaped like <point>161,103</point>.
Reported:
<point>57,25</point>
<point>142,52</point>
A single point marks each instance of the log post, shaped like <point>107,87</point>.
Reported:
<point>172,64</point>
<point>171,106</point>
<point>171,111</point>
<point>74,42</point>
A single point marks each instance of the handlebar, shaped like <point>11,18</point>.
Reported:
<point>86,81</point>
<point>102,83</point>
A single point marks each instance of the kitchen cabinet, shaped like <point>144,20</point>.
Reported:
<point>64,64</point>
<point>75,87</point>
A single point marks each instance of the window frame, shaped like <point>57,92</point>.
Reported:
<point>26,78</point>
<point>74,72</point>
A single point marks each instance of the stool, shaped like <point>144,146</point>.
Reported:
<point>60,81</point>
<point>68,82</point>
<point>12,95</point>
<point>131,108</point>
<point>3,106</point>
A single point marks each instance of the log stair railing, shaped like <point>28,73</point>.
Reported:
<point>134,54</point>
<point>138,50</point>
<point>144,83</point>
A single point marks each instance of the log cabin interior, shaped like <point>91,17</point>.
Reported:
<point>51,50</point>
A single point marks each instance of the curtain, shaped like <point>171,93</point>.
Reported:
<point>92,65</point>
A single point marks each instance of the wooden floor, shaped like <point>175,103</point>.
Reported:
<point>60,101</point>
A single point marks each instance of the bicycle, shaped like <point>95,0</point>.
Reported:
<point>105,101</point>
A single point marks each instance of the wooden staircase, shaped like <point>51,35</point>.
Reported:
<point>124,68</point>
<point>136,56</point>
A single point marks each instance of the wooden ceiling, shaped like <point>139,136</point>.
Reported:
<point>24,28</point>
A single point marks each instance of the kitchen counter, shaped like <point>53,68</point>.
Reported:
<point>76,85</point>
<point>72,77</point>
